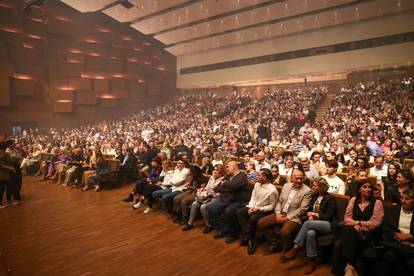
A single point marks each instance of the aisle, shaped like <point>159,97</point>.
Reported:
<point>62,231</point>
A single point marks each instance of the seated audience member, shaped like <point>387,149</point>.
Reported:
<point>287,167</point>
<point>128,167</point>
<point>317,163</point>
<point>398,229</point>
<point>276,159</point>
<point>163,184</point>
<point>388,157</point>
<point>260,162</point>
<point>77,158</point>
<point>232,194</point>
<point>33,156</point>
<point>363,217</point>
<point>276,177</point>
<point>87,164</point>
<point>405,153</point>
<point>203,196</point>
<point>141,184</point>
<point>261,204</point>
<point>390,181</point>
<point>178,183</point>
<point>61,165</point>
<point>183,201</point>
<point>251,172</point>
<point>310,171</point>
<point>353,183</point>
<point>197,157</point>
<point>207,167</point>
<point>292,204</point>
<point>100,172</point>
<point>404,180</point>
<point>243,165</point>
<point>320,220</point>
<point>379,170</point>
<point>217,159</point>
<point>336,185</point>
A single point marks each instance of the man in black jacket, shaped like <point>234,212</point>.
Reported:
<point>234,191</point>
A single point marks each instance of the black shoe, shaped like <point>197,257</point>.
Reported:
<point>230,239</point>
<point>251,247</point>
<point>183,221</point>
<point>188,227</point>
<point>129,198</point>
<point>244,242</point>
<point>207,229</point>
<point>220,235</point>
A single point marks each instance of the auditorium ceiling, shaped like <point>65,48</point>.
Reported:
<point>192,26</point>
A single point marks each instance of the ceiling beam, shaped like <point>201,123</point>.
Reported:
<point>214,17</point>
<point>176,7</point>
<point>270,22</point>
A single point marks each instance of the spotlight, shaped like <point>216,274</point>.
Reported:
<point>30,3</point>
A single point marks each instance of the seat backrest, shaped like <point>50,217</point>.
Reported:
<point>341,204</point>
<point>342,176</point>
<point>113,165</point>
<point>408,163</point>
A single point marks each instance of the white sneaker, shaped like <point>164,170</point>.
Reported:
<point>137,205</point>
<point>147,210</point>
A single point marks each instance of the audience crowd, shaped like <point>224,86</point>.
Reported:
<point>257,170</point>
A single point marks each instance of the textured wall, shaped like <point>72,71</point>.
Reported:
<point>60,68</point>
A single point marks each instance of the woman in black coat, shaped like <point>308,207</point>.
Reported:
<point>398,233</point>
<point>320,220</point>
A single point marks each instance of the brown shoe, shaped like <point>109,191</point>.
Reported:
<point>290,255</point>
<point>310,267</point>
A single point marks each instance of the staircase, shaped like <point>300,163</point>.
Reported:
<point>324,105</point>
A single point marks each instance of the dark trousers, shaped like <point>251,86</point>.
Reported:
<point>350,249</point>
<point>140,186</point>
<point>248,223</point>
<point>167,200</point>
<point>78,173</point>
<point>396,264</point>
<point>3,185</point>
<point>275,232</point>
<point>149,189</point>
<point>182,202</point>
<point>16,183</point>
<point>230,224</point>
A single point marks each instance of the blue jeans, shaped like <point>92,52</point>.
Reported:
<point>166,200</point>
<point>157,195</point>
<point>308,234</point>
<point>230,224</point>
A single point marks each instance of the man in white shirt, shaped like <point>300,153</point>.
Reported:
<point>178,183</point>
<point>379,170</point>
<point>260,162</point>
<point>336,185</point>
<point>261,204</point>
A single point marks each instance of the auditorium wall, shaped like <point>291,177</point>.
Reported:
<point>60,68</point>
<point>376,56</point>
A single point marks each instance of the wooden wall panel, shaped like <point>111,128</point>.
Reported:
<point>154,87</point>
<point>85,98</point>
<point>56,94</point>
<point>62,59</point>
<point>117,83</point>
<point>25,55</point>
<point>4,97</point>
<point>24,86</point>
<point>60,27</point>
<point>62,107</point>
<point>101,85</point>
<point>77,83</point>
<point>69,69</point>
<point>108,103</point>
